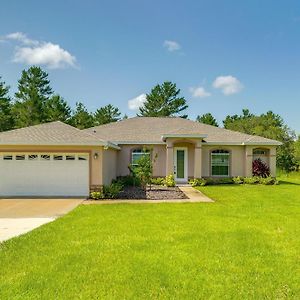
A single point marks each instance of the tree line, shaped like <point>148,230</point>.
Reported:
<point>35,103</point>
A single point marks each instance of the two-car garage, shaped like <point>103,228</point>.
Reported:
<point>44,174</point>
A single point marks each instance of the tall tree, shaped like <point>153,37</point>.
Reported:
<point>106,114</point>
<point>268,125</point>
<point>163,101</point>
<point>6,119</point>
<point>207,119</point>
<point>57,109</point>
<point>81,118</point>
<point>33,92</point>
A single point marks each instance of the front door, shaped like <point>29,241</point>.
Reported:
<point>180,164</point>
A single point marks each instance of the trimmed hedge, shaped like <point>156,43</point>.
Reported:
<point>235,180</point>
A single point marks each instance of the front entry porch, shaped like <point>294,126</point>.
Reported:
<point>184,158</point>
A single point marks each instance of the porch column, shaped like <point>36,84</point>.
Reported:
<point>198,160</point>
<point>169,159</point>
<point>248,161</point>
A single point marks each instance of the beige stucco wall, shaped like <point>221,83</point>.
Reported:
<point>237,159</point>
<point>158,154</point>
<point>95,164</point>
<point>271,160</point>
<point>109,165</point>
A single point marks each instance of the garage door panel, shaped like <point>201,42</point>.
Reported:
<point>44,177</point>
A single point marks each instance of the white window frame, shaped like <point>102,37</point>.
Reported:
<point>227,153</point>
<point>140,154</point>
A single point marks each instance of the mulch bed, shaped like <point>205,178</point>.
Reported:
<point>157,192</point>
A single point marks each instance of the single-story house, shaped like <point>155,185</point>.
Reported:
<point>56,159</point>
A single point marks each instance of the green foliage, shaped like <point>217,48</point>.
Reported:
<point>268,125</point>
<point>81,118</point>
<point>97,195</point>
<point>268,181</point>
<point>107,191</point>
<point>128,180</point>
<point>252,180</point>
<point>170,181</point>
<point>106,114</point>
<point>198,182</point>
<point>57,109</point>
<point>207,119</point>
<point>33,92</point>
<point>158,181</point>
<point>6,118</point>
<point>297,151</point>
<point>112,191</point>
<point>238,180</point>
<point>164,101</point>
<point>143,171</point>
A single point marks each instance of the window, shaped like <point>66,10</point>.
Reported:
<point>136,155</point>
<point>45,157</point>
<point>70,157</point>
<point>220,163</point>
<point>7,157</point>
<point>33,157</point>
<point>20,157</point>
<point>82,157</point>
<point>259,152</point>
<point>57,157</point>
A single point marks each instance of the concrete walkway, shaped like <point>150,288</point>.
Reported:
<point>10,228</point>
<point>19,216</point>
<point>192,194</point>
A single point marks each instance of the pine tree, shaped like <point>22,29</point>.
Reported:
<point>33,92</point>
<point>57,109</point>
<point>106,114</point>
<point>207,119</point>
<point>6,119</point>
<point>163,101</point>
<point>81,118</point>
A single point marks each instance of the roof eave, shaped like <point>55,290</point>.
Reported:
<point>191,136</point>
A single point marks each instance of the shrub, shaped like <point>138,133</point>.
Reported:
<point>97,195</point>
<point>226,180</point>
<point>259,168</point>
<point>128,180</point>
<point>198,182</point>
<point>112,191</point>
<point>252,180</point>
<point>268,181</point>
<point>158,181</point>
<point>238,180</point>
<point>170,181</point>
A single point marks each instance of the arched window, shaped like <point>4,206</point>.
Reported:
<point>136,154</point>
<point>220,162</point>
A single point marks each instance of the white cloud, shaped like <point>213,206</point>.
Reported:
<point>21,37</point>
<point>199,92</point>
<point>228,84</point>
<point>171,45</point>
<point>33,52</point>
<point>136,102</point>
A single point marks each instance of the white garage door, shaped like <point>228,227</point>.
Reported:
<point>44,174</point>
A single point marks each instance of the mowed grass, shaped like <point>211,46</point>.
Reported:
<point>246,245</point>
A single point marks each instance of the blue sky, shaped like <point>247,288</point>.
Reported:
<point>223,55</point>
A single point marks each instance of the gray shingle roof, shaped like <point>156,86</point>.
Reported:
<point>151,130</point>
<point>54,133</point>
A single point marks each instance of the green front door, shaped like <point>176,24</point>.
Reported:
<point>180,164</point>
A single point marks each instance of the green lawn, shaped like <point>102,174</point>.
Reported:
<point>246,245</point>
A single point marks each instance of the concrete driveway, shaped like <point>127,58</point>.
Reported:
<point>18,216</point>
